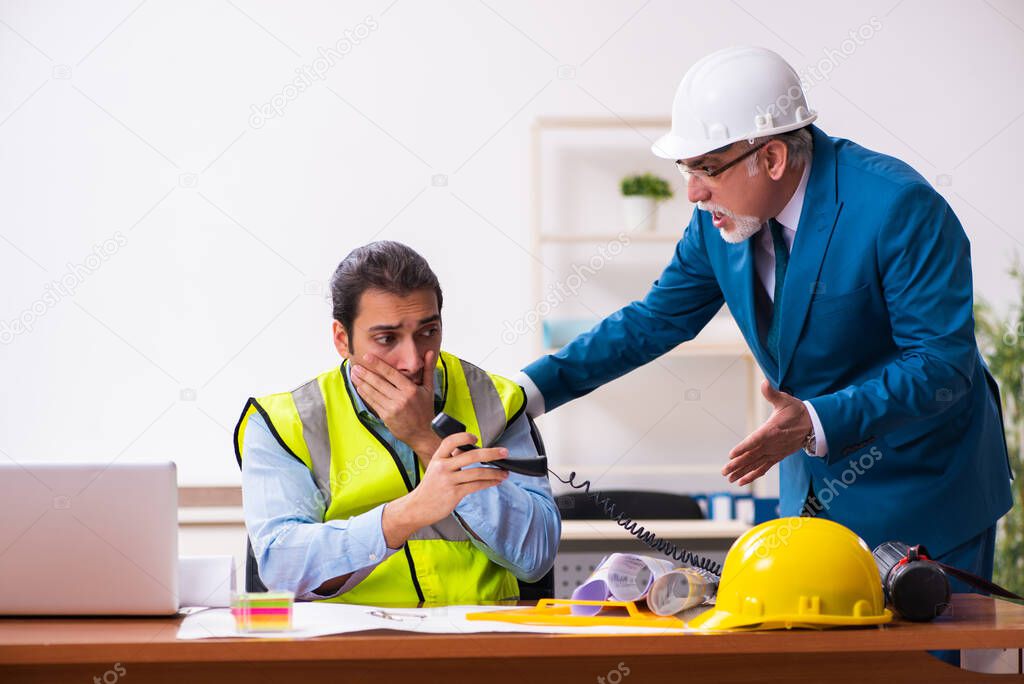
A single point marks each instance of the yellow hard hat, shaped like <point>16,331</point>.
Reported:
<point>797,572</point>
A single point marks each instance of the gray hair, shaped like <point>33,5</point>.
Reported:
<point>799,148</point>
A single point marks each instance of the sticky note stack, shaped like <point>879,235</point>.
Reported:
<point>263,611</point>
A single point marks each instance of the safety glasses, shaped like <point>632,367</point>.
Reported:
<point>704,172</point>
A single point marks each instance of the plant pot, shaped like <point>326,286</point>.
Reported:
<point>640,213</point>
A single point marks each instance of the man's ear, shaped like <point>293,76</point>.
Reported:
<point>341,341</point>
<point>776,154</point>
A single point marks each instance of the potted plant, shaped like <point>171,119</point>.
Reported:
<point>1001,339</point>
<point>640,198</point>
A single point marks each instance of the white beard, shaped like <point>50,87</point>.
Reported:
<point>744,227</point>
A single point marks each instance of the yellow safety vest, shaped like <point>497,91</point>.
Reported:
<point>355,470</point>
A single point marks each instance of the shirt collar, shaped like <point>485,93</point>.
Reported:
<point>789,217</point>
<point>363,410</point>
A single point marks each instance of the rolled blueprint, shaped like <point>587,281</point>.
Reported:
<point>620,576</point>
<point>682,588</point>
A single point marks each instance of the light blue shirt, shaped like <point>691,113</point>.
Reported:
<point>516,523</point>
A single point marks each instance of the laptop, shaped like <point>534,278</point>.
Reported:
<point>88,539</point>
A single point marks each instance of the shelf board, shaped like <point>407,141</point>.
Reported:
<point>210,515</point>
<point>585,530</point>
<point>696,348</point>
<point>720,337</point>
<point>707,468</point>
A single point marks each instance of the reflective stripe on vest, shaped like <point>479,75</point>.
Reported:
<point>309,403</point>
<point>355,471</point>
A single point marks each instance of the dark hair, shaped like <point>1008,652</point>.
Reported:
<point>384,265</point>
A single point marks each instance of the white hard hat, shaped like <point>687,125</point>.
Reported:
<point>734,94</point>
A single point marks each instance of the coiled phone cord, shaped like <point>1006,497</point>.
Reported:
<point>646,536</point>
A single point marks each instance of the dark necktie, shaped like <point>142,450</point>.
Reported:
<point>781,264</point>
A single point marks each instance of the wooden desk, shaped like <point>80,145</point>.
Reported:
<point>144,650</point>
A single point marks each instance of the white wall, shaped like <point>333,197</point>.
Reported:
<point>131,123</point>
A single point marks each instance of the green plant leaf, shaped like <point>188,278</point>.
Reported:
<point>1001,341</point>
<point>646,185</point>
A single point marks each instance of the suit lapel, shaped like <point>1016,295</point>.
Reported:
<point>741,304</point>
<point>818,218</point>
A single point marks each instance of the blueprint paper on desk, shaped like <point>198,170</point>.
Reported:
<point>320,619</point>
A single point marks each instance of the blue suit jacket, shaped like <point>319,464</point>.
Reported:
<point>877,332</point>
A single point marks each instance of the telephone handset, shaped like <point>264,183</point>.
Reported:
<point>444,425</point>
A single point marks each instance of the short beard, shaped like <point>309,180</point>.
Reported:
<point>743,226</point>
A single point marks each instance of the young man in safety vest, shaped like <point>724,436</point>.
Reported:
<point>348,494</point>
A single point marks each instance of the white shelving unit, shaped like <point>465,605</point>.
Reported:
<point>721,338</point>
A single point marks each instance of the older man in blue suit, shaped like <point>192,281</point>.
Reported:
<point>850,278</point>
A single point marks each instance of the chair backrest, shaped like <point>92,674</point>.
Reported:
<point>638,505</point>
<point>541,589</point>
<point>252,573</point>
<point>545,586</point>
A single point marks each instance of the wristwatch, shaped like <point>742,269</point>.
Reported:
<point>811,443</point>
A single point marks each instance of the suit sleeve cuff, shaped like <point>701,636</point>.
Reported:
<point>534,399</point>
<point>820,442</point>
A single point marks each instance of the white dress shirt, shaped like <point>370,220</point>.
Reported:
<point>764,263</point>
